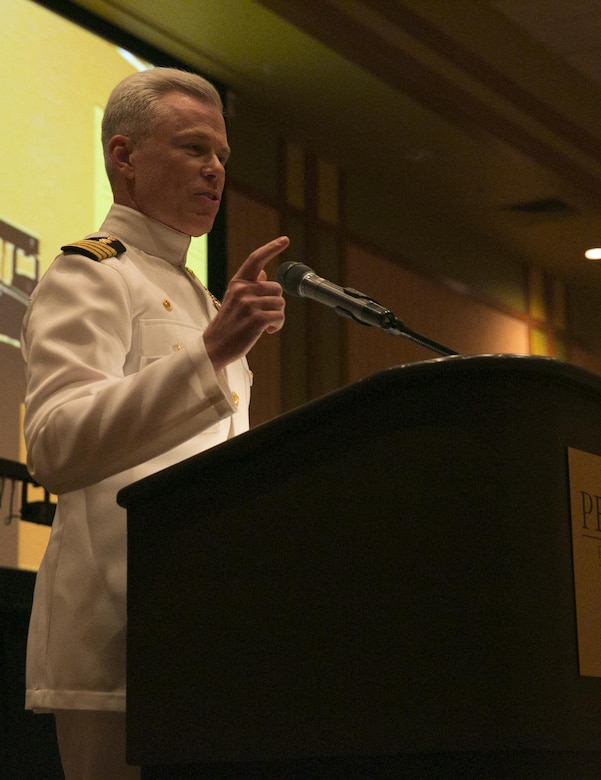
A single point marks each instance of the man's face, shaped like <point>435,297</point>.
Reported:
<point>178,173</point>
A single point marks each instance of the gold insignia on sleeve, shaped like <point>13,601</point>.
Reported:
<point>99,248</point>
<point>167,305</point>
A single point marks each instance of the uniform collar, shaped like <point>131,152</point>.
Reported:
<point>149,235</point>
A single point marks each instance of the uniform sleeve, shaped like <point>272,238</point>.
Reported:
<point>85,418</point>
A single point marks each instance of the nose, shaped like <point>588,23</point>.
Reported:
<point>213,167</point>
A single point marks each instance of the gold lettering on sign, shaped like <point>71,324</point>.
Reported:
<point>585,505</point>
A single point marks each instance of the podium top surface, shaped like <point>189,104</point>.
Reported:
<point>435,380</point>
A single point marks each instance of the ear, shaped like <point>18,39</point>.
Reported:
<point>120,149</point>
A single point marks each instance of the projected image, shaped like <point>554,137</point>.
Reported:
<point>57,76</point>
<point>54,188</point>
<point>19,271</point>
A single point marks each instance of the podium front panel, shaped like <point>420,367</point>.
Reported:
<point>386,571</point>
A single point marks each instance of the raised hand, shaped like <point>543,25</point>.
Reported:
<point>252,305</point>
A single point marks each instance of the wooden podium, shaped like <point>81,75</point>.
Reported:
<point>377,584</point>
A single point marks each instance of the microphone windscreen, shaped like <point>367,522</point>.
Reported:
<point>290,275</point>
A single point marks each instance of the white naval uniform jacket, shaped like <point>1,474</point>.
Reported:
<point>119,386</point>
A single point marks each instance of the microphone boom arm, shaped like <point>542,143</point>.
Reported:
<point>399,329</point>
<point>385,319</point>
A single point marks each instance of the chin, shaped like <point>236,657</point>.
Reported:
<point>200,227</point>
<point>196,233</point>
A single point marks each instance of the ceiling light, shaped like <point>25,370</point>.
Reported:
<point>593,254</point>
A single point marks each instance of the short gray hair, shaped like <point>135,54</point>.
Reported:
<point>133,108</point>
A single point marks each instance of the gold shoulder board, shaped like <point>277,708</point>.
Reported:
<point>95,248</point>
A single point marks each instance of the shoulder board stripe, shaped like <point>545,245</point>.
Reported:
<point>95,248</point>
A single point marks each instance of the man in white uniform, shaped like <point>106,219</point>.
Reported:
<point>132,366</point>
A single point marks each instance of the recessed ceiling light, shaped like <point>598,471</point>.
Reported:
<point>593,254</point>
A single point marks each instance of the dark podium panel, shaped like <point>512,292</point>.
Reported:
<point>379,583</point>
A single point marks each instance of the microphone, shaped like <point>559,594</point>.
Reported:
<point>300,280</point>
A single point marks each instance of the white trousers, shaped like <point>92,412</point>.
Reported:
<point>92,745</point>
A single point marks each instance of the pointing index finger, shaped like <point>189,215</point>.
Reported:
<point>253,265</point>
